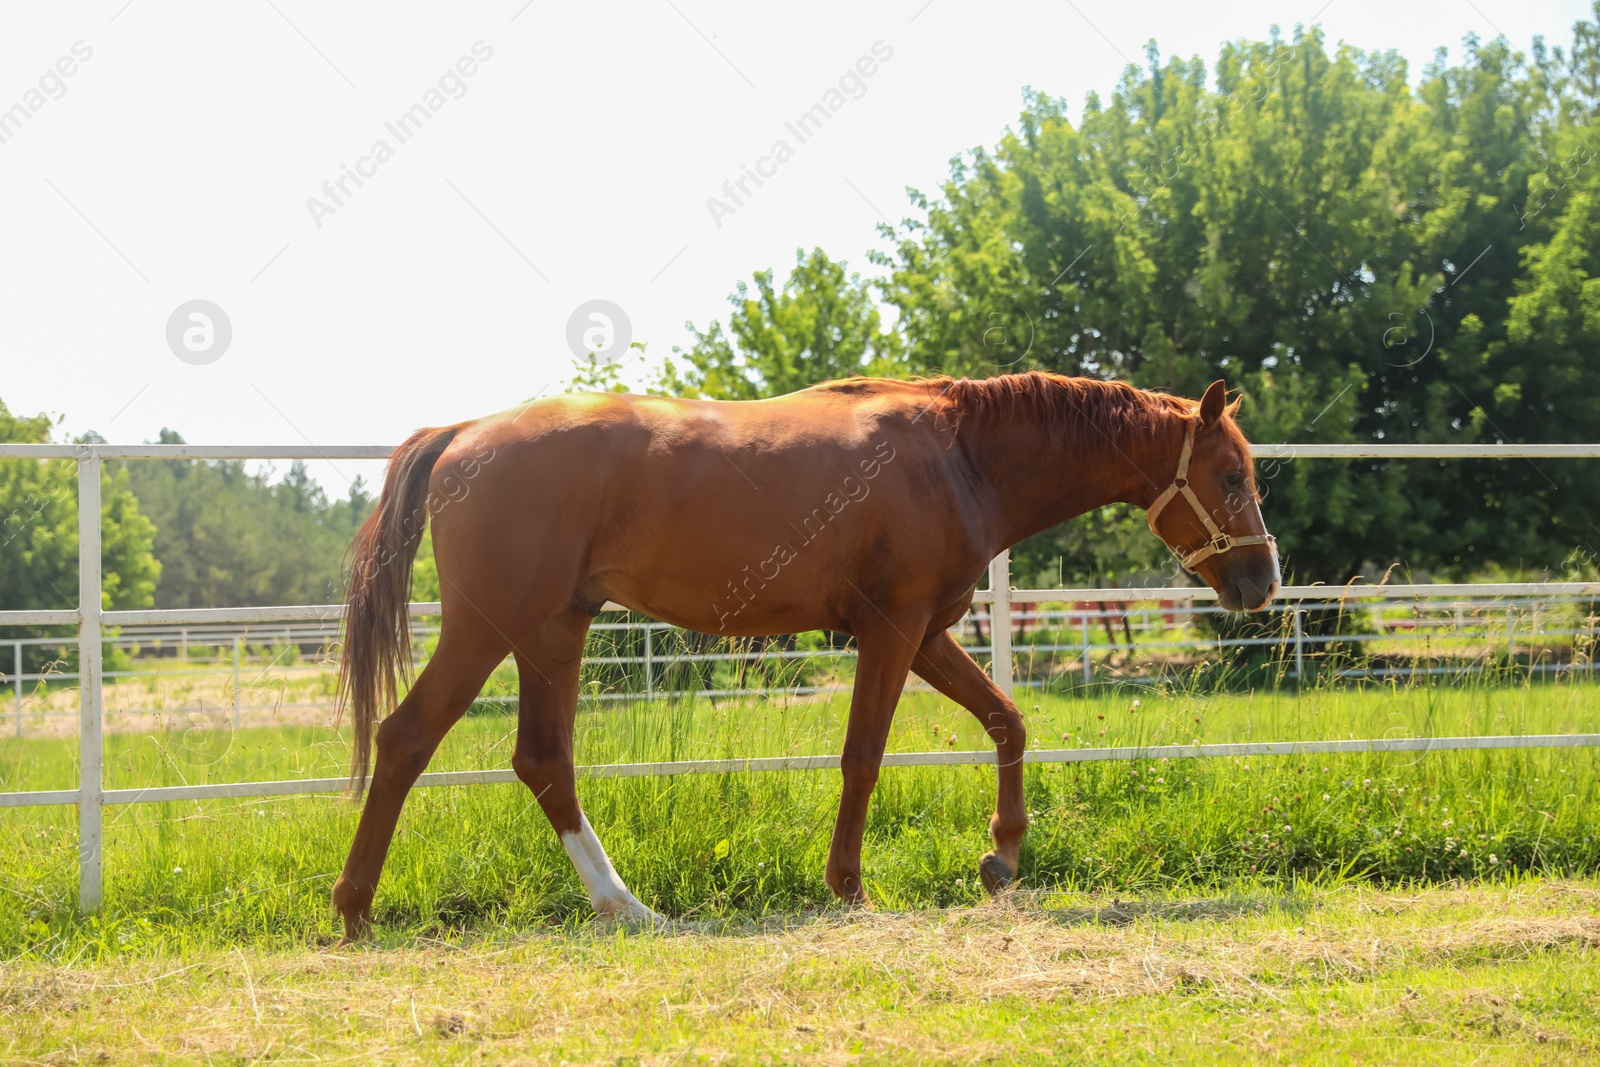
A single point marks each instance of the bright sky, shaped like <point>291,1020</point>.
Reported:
<point>574,162</point>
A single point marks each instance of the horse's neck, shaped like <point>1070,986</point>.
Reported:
<point>1037,482</point>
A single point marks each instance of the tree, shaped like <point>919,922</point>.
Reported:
<point>39,530</point>
<point>1342,248</point>
<point>227,537</point>
<point>1537,377</point>
<point>822,324</point>
<point>1366,261</point>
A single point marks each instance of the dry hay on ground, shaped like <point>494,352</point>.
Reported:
<point>837,985</point>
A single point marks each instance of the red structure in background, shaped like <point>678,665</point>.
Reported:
<point>1111,614</point>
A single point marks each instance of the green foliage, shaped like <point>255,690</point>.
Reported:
<point>1112,546</point>
<point>822,324</point>
<point>174,533</point>
<point>1342,248</point>
<point>593,373</point>
<point>39,530</point>
<point>425,570</point>
<point>227,537</point>
<point>1365,260</point>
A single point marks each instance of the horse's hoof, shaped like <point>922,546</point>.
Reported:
<point>355,908</point>
<point>357,929</point>
<point>641,917</point>
<point>629,911</point>
<point>848,888</point>
<point>996,873</point>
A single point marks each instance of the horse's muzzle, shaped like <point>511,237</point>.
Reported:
<point>1248,580</point>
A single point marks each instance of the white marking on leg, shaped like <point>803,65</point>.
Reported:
<point>607,895</point>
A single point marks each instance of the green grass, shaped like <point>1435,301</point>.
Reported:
<point>208,750</point>
<point>198,876</point>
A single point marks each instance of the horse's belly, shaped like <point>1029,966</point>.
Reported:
<point>747,607</point>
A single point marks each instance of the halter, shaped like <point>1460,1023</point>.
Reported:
<point>1220,541</point>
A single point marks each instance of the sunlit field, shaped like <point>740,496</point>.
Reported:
<point>1366,908</point>
<point>1501,972</point>
<point>738,846</point>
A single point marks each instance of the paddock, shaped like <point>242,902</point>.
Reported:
<point>91,796</point>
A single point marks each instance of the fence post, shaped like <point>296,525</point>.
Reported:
<point>91,784</point>
<point>16,658</point>
<point>1087,675</point>
<point>237,651</point>
<point>1299,649</point>
<point>649,666</point>
<point>1000,621</point>
<point>183,644</point>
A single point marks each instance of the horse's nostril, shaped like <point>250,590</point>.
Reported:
<point>1252,596</point>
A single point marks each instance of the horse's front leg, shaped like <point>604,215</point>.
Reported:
<point>945,665</point>
<point>881,669</point>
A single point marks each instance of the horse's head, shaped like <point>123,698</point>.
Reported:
<point>1210,516</point>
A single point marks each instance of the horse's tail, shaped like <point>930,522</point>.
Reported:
<point>377,628</point>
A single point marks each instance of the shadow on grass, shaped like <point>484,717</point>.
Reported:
<point>1125,912</point>
<point>1013,908</point>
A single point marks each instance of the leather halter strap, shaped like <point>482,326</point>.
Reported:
<point>1219,541</point>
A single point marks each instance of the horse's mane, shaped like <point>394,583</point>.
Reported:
<point>1075,412</point>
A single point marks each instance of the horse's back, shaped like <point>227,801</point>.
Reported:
<point>753,515</point>
<point>651,429</point>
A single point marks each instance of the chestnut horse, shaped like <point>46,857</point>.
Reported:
<point>866,506</point>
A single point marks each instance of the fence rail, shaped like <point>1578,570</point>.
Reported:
<point>298,786</point>
<point>1054,640</point>
<point>91,796</point>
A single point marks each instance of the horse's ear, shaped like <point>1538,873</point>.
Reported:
<point>1213,403</point>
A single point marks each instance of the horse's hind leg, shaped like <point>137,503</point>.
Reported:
<point>406,742</point>
<point>945,665</point>
<point>548,670</point>
<point>881,668</point>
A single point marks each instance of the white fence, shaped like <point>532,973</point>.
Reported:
<point>91,796</point>
<point>1056,645</point>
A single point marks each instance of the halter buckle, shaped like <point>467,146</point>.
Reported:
<point>1221,543</point>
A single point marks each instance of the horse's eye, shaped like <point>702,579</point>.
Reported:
<point>1235,481</point>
